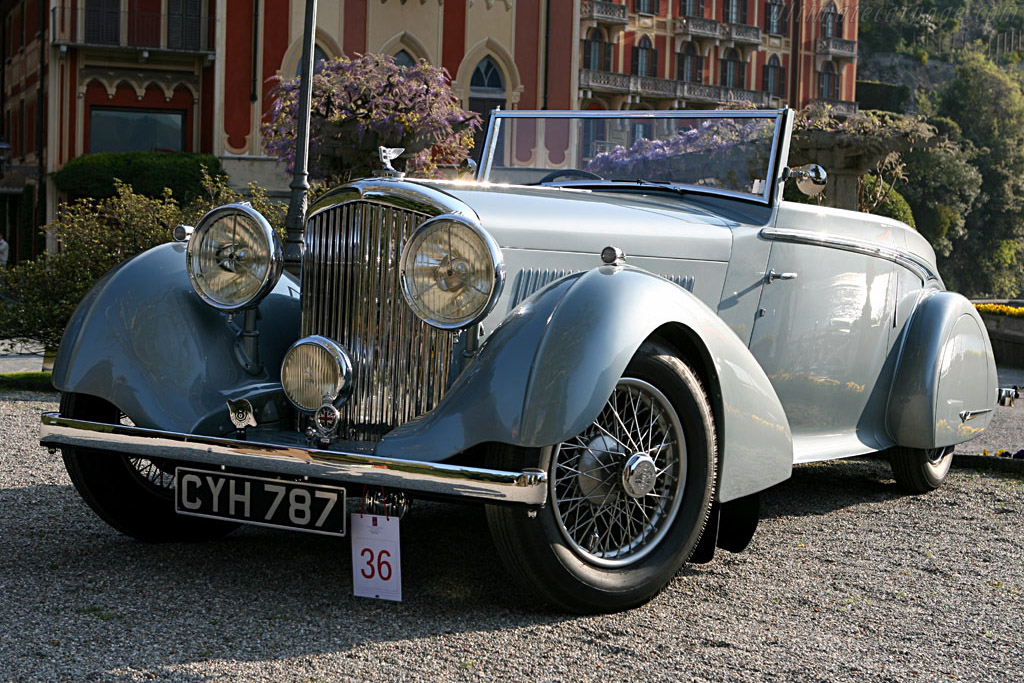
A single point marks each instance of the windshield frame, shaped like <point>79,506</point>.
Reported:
<point>782,118</point>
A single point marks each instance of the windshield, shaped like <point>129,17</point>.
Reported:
<point>727,151</point>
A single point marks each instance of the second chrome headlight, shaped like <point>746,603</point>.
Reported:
<point>452,272</point>
<point>233,257</point>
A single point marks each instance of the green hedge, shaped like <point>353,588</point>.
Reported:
<point>884,96</point>
<point>148,173</point>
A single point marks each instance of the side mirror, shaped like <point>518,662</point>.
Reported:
<point>467,169</point>
<point>809,179</point>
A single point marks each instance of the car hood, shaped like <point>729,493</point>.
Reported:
<point>571,220</point>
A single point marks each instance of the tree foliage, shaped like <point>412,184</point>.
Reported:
<point>369,101</point>
<point>39,296</point>
<point>987,104</point>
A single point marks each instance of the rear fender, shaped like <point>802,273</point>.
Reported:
<point>546,372</point>
<point>142,340</point>
<point>944,390</point>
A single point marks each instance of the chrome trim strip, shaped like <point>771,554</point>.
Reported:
<point>528,487</point>
<point>968,415</point>
<point>922,269</point>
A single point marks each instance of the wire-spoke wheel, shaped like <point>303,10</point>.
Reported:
<point>628,497</point>
<point>616,488</point>
<point>920,470</point>
<point>133,495</point>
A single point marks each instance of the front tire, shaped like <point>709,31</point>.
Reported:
<point>920,470</point>
<point>628,497</point>
<point>133,495</point>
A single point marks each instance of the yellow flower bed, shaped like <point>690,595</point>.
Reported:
<point>1001,309</point>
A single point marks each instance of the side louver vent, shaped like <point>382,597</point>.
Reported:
<point>529,280</point>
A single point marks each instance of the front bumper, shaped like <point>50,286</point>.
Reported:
<point>528,487</point>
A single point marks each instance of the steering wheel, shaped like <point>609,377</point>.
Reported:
<point>568,173</point>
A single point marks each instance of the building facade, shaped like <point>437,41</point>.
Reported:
<point>86,76</point>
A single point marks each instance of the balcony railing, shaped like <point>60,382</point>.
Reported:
<point>603,12</point>
<point>699,27</point>
<point>741,33</point>
<point>839,107</point>
<point>838,47</point>
<point>100,27</point>
<point>664,88</point>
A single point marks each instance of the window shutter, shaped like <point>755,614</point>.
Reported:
<point>636,60</point>
<point>768,17</point>
<point>743,11</point>
<point>721,73</point>
<point>782,82</point>
<point>821,86</point>
<point>700,9</point>
<point>606,56</point>
<point>638,5</point>
<point>741,72</point>
<point>700,70</point>
<point>764,78</point>
<point>784,20</point>
<point>654,63</point>
<point>586,54</point>
<point>839,25</point>
<point>657,6</point>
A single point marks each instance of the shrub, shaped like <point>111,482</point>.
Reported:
<point>893,205</point>
<point>369,101</point>
<point>40,296</point>
<point>147,173</point>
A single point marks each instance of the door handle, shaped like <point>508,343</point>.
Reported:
<point>772,276</point>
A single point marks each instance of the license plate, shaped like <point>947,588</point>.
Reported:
<point>257,500</point>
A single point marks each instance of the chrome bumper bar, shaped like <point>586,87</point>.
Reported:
<point>528,487</point>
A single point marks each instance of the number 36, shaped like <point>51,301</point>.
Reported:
<point>381,569</point>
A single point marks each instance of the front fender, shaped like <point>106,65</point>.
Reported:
<point>944,390</point>
<point>142,340</point>
<point>546,372</point>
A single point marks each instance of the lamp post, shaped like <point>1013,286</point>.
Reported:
<point>300,177</point>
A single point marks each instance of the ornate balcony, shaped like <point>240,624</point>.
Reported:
<point>666,89</point>
<point>741,34</point>
<point>700,28</point>
<point>603,12</point>
<point>839,107</point>
<point>838,48</point>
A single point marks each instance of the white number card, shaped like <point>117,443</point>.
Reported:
<point>376,560</point>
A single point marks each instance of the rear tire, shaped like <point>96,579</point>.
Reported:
<point>628,498</point>
<point>920,470</point>
<point>133,495</point>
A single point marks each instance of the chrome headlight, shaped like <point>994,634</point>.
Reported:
<point>234,258</point>
<point>452,272</point>
<point>316,370</point>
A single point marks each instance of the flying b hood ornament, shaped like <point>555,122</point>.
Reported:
<point>387,155</point>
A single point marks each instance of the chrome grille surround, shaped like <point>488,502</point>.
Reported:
<point>352,293</point>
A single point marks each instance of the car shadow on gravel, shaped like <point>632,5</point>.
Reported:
<point>825,487</point>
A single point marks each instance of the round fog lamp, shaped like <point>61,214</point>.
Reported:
<point>316,371</point>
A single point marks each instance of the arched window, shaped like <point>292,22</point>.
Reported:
<point>774,77</point>
<point>319,57</point>
<point>831,22</point>
<point>828,82</point>
<point>597,53</point>
<point>645,58</point>
<point>732,70</point>
<point>690,65</point>
<point>403,58</point>
<point>486,93</point>
<point>775,18</point>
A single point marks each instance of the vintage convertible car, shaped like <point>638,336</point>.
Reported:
<point>614,338</point>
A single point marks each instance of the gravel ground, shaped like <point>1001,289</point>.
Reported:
<point>846,579</point>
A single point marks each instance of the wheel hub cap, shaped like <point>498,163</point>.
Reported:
<point>639,475</point>
<point>596,461</point>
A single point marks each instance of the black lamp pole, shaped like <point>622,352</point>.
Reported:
<point>300,177</point>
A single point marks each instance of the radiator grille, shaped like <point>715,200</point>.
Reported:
<point>352,293</point>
